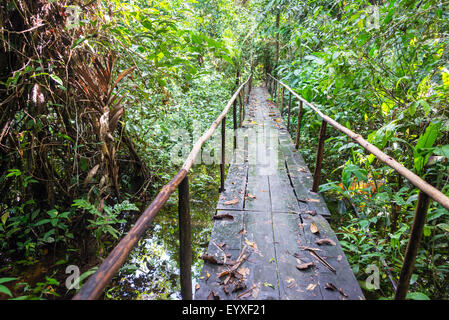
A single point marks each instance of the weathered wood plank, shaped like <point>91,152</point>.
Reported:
<point>257,196</point>
<point>261,261</point>
<point>343,277</point>
<point>232,198</point>
<point>226,232</point>
<point>294,284</point>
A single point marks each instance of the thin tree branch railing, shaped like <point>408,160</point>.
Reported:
<point>96,283</point>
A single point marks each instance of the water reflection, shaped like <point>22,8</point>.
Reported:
<point>152,271</point>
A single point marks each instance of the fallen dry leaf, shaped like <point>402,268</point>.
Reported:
<point>339,257</point>
<point>325,241</point>
<point>197,286</point>
<point>314,228</point>
<point>304,266</point>
<point>207,275</point>
<point>330,286</point>
<point>243,271</point>
<point>251,196</point>
<point>312,200</point>
<point>231,202</point>
<point>239,286</point>
<point>224,273</point>
<point>342,293</point>
<point>210,259</point>
<point>311,287</point>
<point>311,212</point>
<point>213,296</point>
<point>222,216</point>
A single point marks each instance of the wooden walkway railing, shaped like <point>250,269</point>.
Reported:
<point>427,191</point>
<point>98,281</point>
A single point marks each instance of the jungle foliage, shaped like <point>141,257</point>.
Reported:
<point>381,69</point>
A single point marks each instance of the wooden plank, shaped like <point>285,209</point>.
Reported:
<point>343,277</point>
<point>261,261</point>
<point>283,199</point>
<point>294,284</point>
<point>257,190</point>
<point>228,232</point>
<point>232,198</point>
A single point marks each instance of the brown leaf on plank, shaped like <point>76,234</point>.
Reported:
<point>225,289</point>
<point>222,216</point>
<point>311,212</point>
<point>239,286</point>
<point>251,196</point>
<point>197,286</point>
<point>213,296</point>
<point>342,293</point>
<point>304,266</point>
<point>325,241</point>
<point>210,259</point>
<point>330,286</point>
<point>224,273</point>
<point>231,202</point>
<point>314,228</point>
<point>311,286</point>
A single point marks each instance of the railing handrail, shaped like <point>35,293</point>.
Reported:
<point>96,283</point>
<point>426,192</point>
<point>417,181</point>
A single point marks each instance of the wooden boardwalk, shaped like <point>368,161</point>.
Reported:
<point>270,238</point>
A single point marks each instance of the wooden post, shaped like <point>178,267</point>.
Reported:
<point>282,101</point>
<point>240,110</point>
<point>185,244</point>
<point>278,93</point>
<point>319,157</point>
<point>223,154</point>
<point>275,88</point>
<point>298,128</point>
<point>288,111</point>
<point>416,233</point>
<point>234,111</point>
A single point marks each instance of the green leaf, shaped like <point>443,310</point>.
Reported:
<point>422,149</point>
<point>442,151</point>
<point>7,279</point>
<point>56,79</point>
<point>5,290</point>
<point>412,108</point>
<point>417,296</point>
<point>4,218</point>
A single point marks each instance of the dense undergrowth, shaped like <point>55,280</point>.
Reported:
<point>381,69</point>
<point>92,96</point>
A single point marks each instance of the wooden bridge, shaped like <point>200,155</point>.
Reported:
<point>270,238</point>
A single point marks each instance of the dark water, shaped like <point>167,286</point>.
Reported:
<point>152,271</point>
